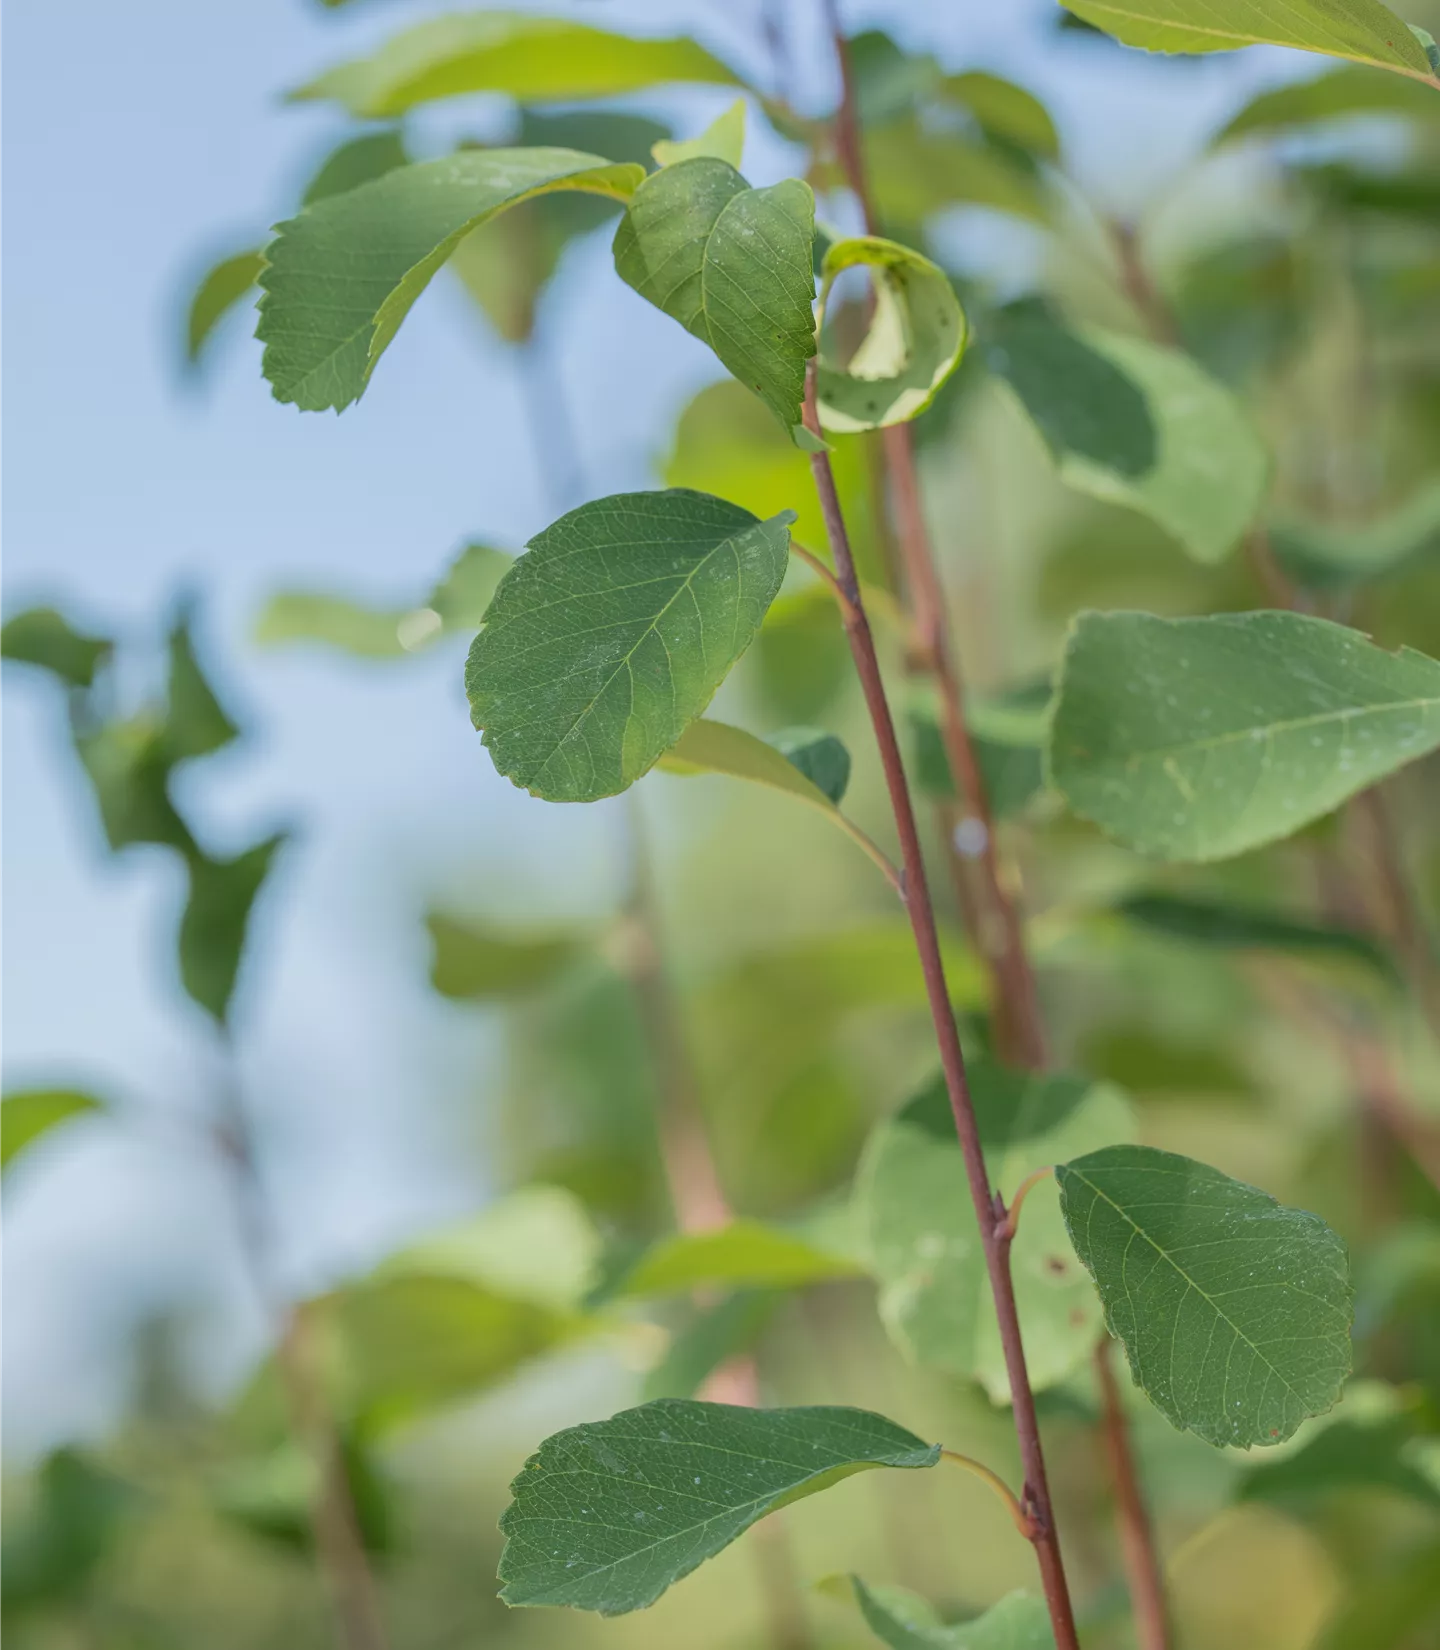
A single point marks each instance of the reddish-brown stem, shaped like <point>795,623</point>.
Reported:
<point>1137,1539</point>
<point>988,1208</point>
<point>335,1524</point>
<point>1398,914</point>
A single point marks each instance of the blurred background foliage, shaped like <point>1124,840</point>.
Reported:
<point>724,1018</point>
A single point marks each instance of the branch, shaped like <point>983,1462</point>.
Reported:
<point>1137,1539</point>
<point>927,942</point>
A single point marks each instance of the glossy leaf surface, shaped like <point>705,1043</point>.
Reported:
<point>1195,739</point>
<point>609,1514</point>
<point>612,633</point>
<point>1233,1310</point>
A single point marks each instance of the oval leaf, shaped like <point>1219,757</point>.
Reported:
<point>915,340</point>
<point>531,59</point>
<point>1195,739</point>
<point>1137,424</point>
<point>1234,1311</point>
<point>734,266</point>
<point>343,275</point>
<point>609,1514</point>
<point>1363,30</point>
<point>743,1254</point>
<point>925,1242</point>
<point>613,631</point>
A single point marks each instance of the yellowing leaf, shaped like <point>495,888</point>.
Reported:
<point>723,138</point>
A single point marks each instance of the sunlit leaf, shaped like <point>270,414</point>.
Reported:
<point>1195,739</point>
<point>1329,555</point>
<point>1234,1311</point>
<point>1332,96</point>
<point>734,266</point>
<point>664,590</point>
<point>341,278</point>
<point>222,288</point>
<point>713,1335</point>
<point>925,1241</point>
<point>531,59</point>
<point>744,1254</point>
<point>480,963</point>
<point>44,636</point>
<point>723,139</point>
<point>28,1114</point>
<point>609,1514</point>
<point>1363,30</point>
<point>1135,423</point>
<point>216,920</point>
<point>905,1621</point>
<point>1228,925</point>
<point>914,342</point>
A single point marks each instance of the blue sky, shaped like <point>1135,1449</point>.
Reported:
<point>140,141</point>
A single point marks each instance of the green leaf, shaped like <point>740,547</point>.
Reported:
<point>272,1496</point>
<point>613,631</point>
<point>358,160</point>
<point>1377,1451</point>
<point>744,1254</point>
<point>714,1335</point>
<point>195,721</point>
<point>1136,424</point>
<point>1228,926</point>
<point>27,1114</point>
<point>1332,96</point>
<point>609,1514</point>
<point>916,173</point>
<point>216,919</point>
<point>1234,1311</point>
<point>1006,113</point>
<point>221,289</point>
<point>44,636</point>
<point>1327,555</point>
<point>1362,30</point>
<point>733,265</point>
<point>128,766</point>
<point>820,756</point>
<point>723,139</point>
<point>72,1524</point>
<point>531,59</point>
<point>914,342</point>
<point>341,278</point>
<point>1196,739</point>
<point>1008,732</point>
<point>905,1621</point>
<point>925,1242</point>
<point>477,963</point>
<point>412,1344</point>
<point>802,662</point>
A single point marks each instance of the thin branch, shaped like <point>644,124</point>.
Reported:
<point>1009,1222</point>
<point>1399,915</point>
<point>918,906</point>
<point>1021,1519</point>
<point>1137,1539</point>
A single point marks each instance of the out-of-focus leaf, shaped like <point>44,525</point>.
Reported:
<point>1005,112</point>
<point>1408,193</point>
<point>914,341</point>
<point>273,1496</point>
<point>535,1244</point>
<point>905,1621</point>
<point>820,756</point>
<point>195,720</point>
<point>1395,1607</point>
<point>216,920</point>
<point>1135,423</point>
<point>45,637</point>
<point>1148,1063</point>
<point>743,1255</point>
<point>1196,739</point>
<point>1228,926</point>
<point>887,80</point>
<point>712,1336</point>
<point>1241,306</point>
<point>292,616</point>
<point>324,325</point>
<point>925,1241</point>
<point>666,589</point>
<point>1328,556</point>
<point>716,747</point>
<point>802,660</point>
<point>723,139</point>
<point>409,1345</point>
<point>531,59</point>
<point>1362,30</point>
<point>609,1514</point>
<point>1233,1310</point>
<point>1332,96</point>
<point>478,963</point>
<point>1373,1453</point>
<point>57,1546</point>
<point>356,161</point>
<point>1008,731</point>
<point>28,1114</point>
<point>734,266</point>
<point>128,766</point>
<point>469,585</point>
<point>916,173</point>
<point>222,288</point>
